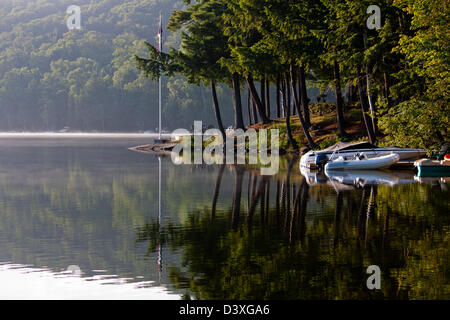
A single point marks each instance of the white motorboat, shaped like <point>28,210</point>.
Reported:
<point>350,150</point>
<point>362,162</point>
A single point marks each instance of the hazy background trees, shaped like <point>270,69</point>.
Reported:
<point>87,79</point>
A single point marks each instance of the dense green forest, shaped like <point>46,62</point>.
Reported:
<point>87,79</point>
<point>394,57</point>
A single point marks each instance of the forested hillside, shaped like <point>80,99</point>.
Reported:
<point>87,79</point>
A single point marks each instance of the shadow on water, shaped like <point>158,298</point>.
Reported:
<point>287,238</point>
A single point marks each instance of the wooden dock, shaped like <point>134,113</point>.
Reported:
<point>159,148</point>
<point>403,165</point>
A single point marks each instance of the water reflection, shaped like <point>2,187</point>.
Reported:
<point>27,282</point>
<point>361,178</point>
<point>294,240</point>
<point>225,232</point>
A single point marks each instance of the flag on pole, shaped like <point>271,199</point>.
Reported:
<point>160,82</point>
<point>160,33</point>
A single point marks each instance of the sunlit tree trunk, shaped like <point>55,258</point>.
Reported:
<point>238,118</point>
<point>217,109</point>
<point>365,109</point>
<point>263,94</point>
<point>278,96</point>
<point>369,96</point>
<point>311,142</point>
<point>304,96</point>
<point>255,113</point>
<point>257,100</point>
<point>250,122</point>
<point>268,97</point>
<point>287,112</point>
<point>339,100</point>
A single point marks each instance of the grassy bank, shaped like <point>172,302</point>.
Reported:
<point>323,127</point>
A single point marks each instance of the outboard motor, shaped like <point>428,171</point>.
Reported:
<point>321,160</point>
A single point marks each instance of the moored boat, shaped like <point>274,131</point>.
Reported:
<point>362,163</point>
<point>350,150</point>
<point>432,168</point>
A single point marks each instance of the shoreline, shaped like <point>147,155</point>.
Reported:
<point>155,148</point>
<point>79,135</point>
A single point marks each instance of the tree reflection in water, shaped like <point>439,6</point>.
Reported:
<point>310,242</point>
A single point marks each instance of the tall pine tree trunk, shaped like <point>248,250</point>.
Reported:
<point>217,110</point>
<point>257,100</point>
<point>350,94</point>
<point>238,118</point>
<point>202,94</point>
<point>248,108</point>
<point>278,96</point>
<point>310,140</point>
<point>339,100</point>
<point>369,96</point>
<point>263,94</point>
<point>365,109</point>
<point>304,96</point>
<point>287,112</point>
<point>371,103</point>
<point>268,97</point>
<point>255,113</point>
<point>252,106</point>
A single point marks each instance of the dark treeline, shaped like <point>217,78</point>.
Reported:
<point>87,79</point>
<point>398,73</point>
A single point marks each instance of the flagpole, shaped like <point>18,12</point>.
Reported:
<point>159,126</point>
<point>159,158</point>
<point>159,224</point>
<point>160,82</point>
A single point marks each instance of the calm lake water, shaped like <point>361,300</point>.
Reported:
<point>80,219</point>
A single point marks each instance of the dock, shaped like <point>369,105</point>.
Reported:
<point>158,148</point>
<point>403,165</point>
